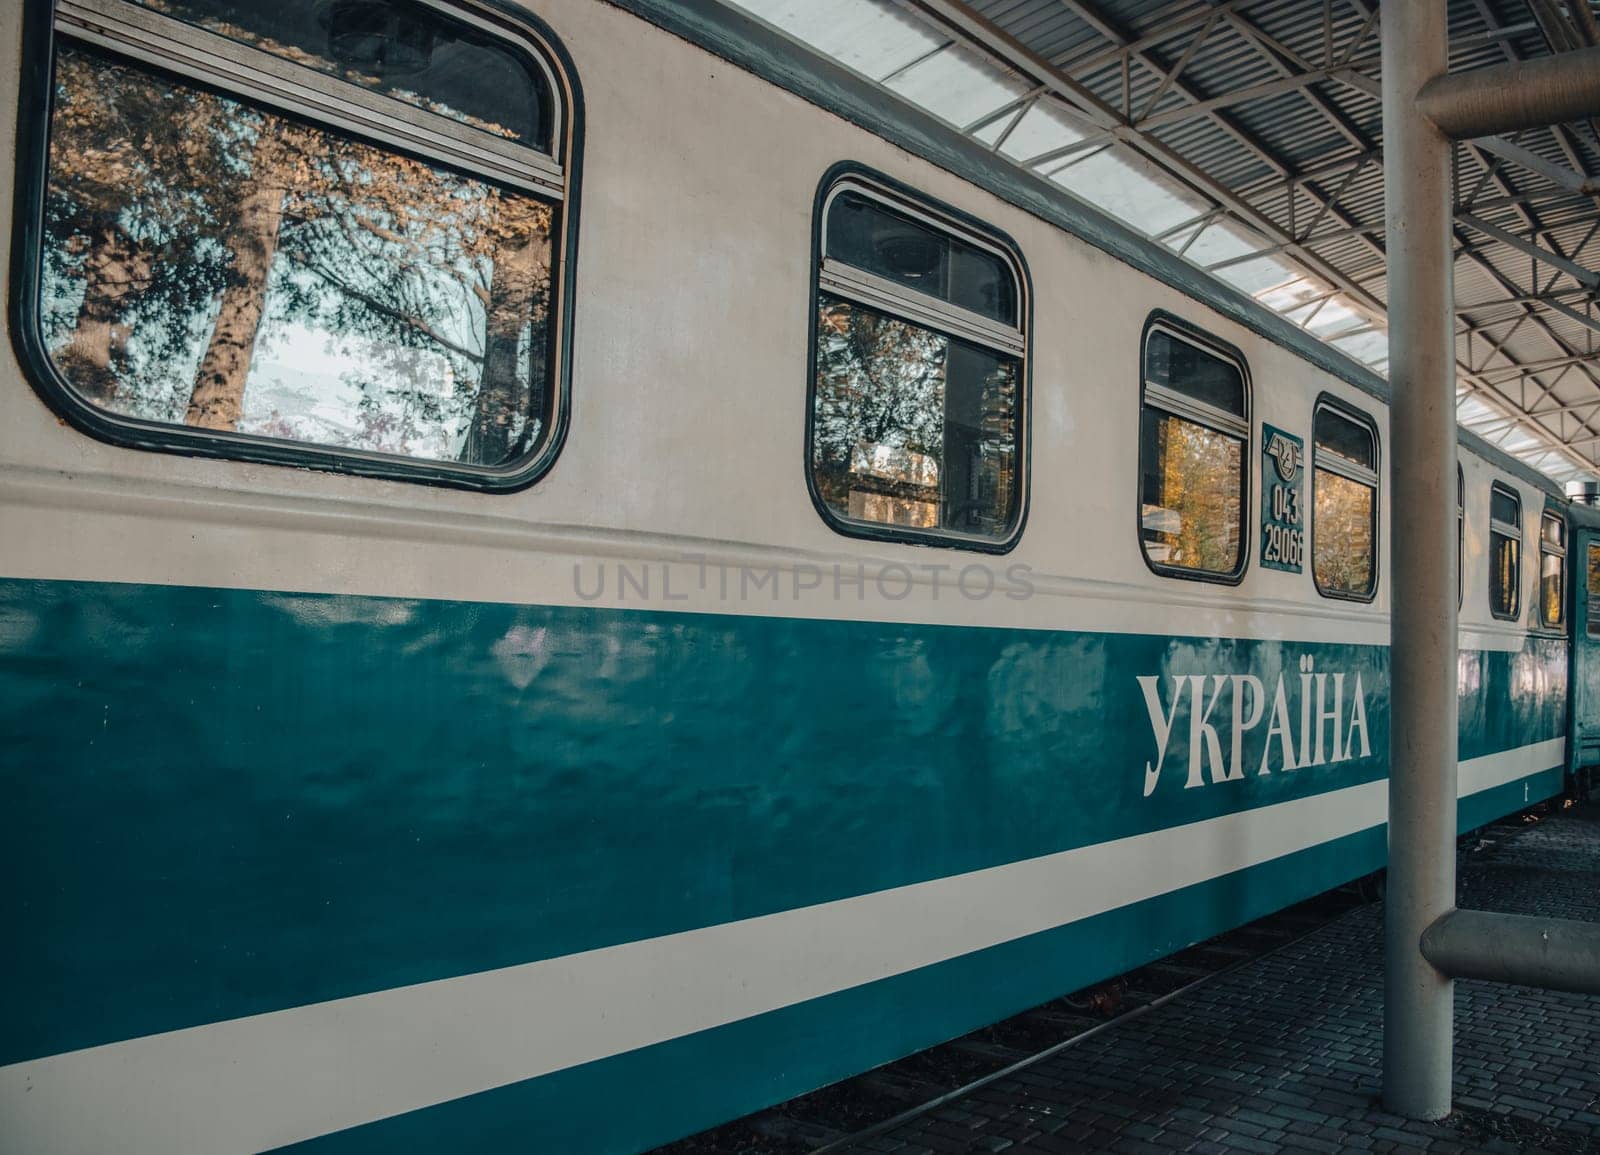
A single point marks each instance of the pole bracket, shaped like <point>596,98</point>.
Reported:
<point>1514,96</point>
<point>1556,954</point>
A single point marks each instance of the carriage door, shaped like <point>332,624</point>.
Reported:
<point>1584,742</point>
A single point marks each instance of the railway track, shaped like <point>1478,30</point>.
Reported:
<point>838,1116</point>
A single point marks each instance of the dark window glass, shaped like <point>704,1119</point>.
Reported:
<point>1505,553</point>
<point>1592,626</point>
<point>1344,525</point>
<point>1505,506</point>
<point>403,49</point>
<point>1191,463</point>
<point>913,428</point>
<point>210,264</point>
<point>1552,571</point>
<point>1504,570</point>
<point>1350,439</point>
<point>865,233</point>
<point>1177,364</point>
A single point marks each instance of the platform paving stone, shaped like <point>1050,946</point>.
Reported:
<point>1284,1054</point>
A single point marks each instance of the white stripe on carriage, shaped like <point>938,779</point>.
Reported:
<point>277,1078</point>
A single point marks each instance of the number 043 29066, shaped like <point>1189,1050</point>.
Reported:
<point>1282,489</point>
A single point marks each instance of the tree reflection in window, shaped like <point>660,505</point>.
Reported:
<point>211,264</point>
<point>911,427</point>
<point>1552,571</point>
<point>1344,512</point>
<point>1592,578</point>
<point>1194,427</point>
<point>1344,554</point>
<point>1192,508</point>
<point>1505,553</point>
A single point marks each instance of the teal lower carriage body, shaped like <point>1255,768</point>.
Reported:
<point>228,808</point>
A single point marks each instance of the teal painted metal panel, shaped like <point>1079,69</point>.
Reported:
<point>1484,807</point>
<point>224,802</point>
<point>651,1095</point>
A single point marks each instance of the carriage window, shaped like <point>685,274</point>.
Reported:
<point>1344,520</point>
<point>1461,537</point>
<point>1505,552</point>
<point>321,259</point>
<point>1552,571</point>
<point>915,428</point>
<point>1592,618</point>
<point>1193,445</point>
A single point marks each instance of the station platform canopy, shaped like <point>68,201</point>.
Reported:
<point>1247,137</point>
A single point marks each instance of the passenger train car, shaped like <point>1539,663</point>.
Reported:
<point>565,574</point>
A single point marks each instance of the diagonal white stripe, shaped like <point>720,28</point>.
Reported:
<point>263,1081</point>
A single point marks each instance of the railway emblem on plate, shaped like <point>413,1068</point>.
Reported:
<point>1283,532</point>
<point>1285,450</point>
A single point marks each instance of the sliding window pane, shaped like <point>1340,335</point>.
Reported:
<point>210,264</point>
<point>1505,555</point>
<point>401,48</point>
<point>1552,589</point>
<point>1342,539</point>
<point>1174,363</point>
<point>1505,552</point>
<point>1190,512</point>
<point>1592,567</point>
<point>864,232</point>
<point>911,427</point>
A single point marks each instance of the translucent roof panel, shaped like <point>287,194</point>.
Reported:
<point>1224,241</point>
<point>957,85</point>
<point>1474,414</point>
<point>1131,188</point>
<point>1044,128</point>
<point>1290,295</point>
<point>1258,275</point>
<point>875,37</point>
<point>1337,315</point>
<point>1370,348</point>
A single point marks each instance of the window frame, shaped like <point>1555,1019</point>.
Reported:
<point>1515,613</point>
<point>881,295</point>
<point>176,52</point>
<point>1564,552</point>
<point>1176,404</point>
<point>1351,472</point>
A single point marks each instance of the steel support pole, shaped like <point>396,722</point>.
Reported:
<point>1418,998</point>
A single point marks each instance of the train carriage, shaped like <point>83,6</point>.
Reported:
<point>563,581</point>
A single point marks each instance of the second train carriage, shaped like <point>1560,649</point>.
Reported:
<point>477,673</point>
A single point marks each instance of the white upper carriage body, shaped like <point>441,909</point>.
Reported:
<point>688,411</point>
